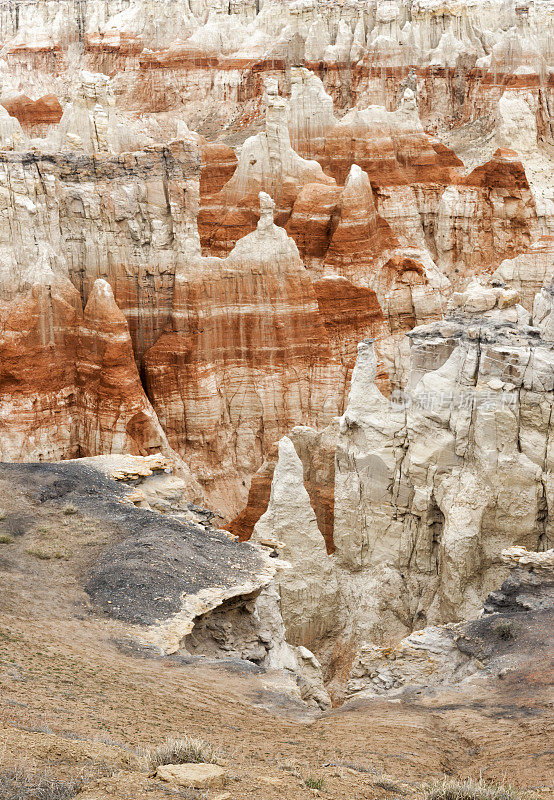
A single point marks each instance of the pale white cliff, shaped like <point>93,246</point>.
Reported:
<point>430,488</point>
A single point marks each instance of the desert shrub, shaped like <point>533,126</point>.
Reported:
<point>5,538</point>
<point>46,553</point>
<point>186,750</point>
<point>70,509</point>
<point>505,628</point>
<point>389,786</point>
<point>20,784</point>
<point>470,789</point>
<point>16,524</point>
<point>314,783</point>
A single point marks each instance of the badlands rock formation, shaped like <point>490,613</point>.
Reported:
<point>277,374</point>
<point>246,355</point>
<point>428,488</point>
<point>206,207</point>
<point>495,645</point>
<point>115,415</point>
<point>460,57</point>
<point>267,163</point>
<point>130,220</point>
<point>118,217</point>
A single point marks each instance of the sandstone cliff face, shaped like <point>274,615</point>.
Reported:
<point>406,224</point>
<point>528,272</point>
<point>490,215</point>
<point>114,414</point>
<point>117,217</point>
<point>460,57</point>
<point>379,129</point>
<point>306,582</point>
<point>507,638</point>
<point>247,356</point>
<point>429,489</point>
<point>37,369</point>
<point>242,337</point>
<point>420,196</point>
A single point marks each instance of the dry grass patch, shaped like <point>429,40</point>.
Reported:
<point>315,783</point>
<point>20,784</point>
<point>470,789</point>
<point>186,750</point>
<point>45,553</point>
<point>389,785</point>
<point>64,539</point>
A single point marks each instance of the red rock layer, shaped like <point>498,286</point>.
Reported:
<point>503,171</point>
<point>38,328</point>
<point>69,384</point>
<point>46,110</point>
<point>314,218</point>
<point>258,498</point>
<point>393,151</point>
<point>353,241</point>
<point>248,357</point>
<point>486,217</point>
<point>114,414</point>
<point>360,236</point>
<point>351,313</point>
<point>218,165</point>
<point>221,226</point>
<point>161,81</point>
<point>339,226</point>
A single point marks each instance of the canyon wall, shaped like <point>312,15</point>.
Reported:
<point>400,150</point>
<point>427,487</point>
<point>461,57</point>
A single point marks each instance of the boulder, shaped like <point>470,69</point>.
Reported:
<point>193,776</point>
